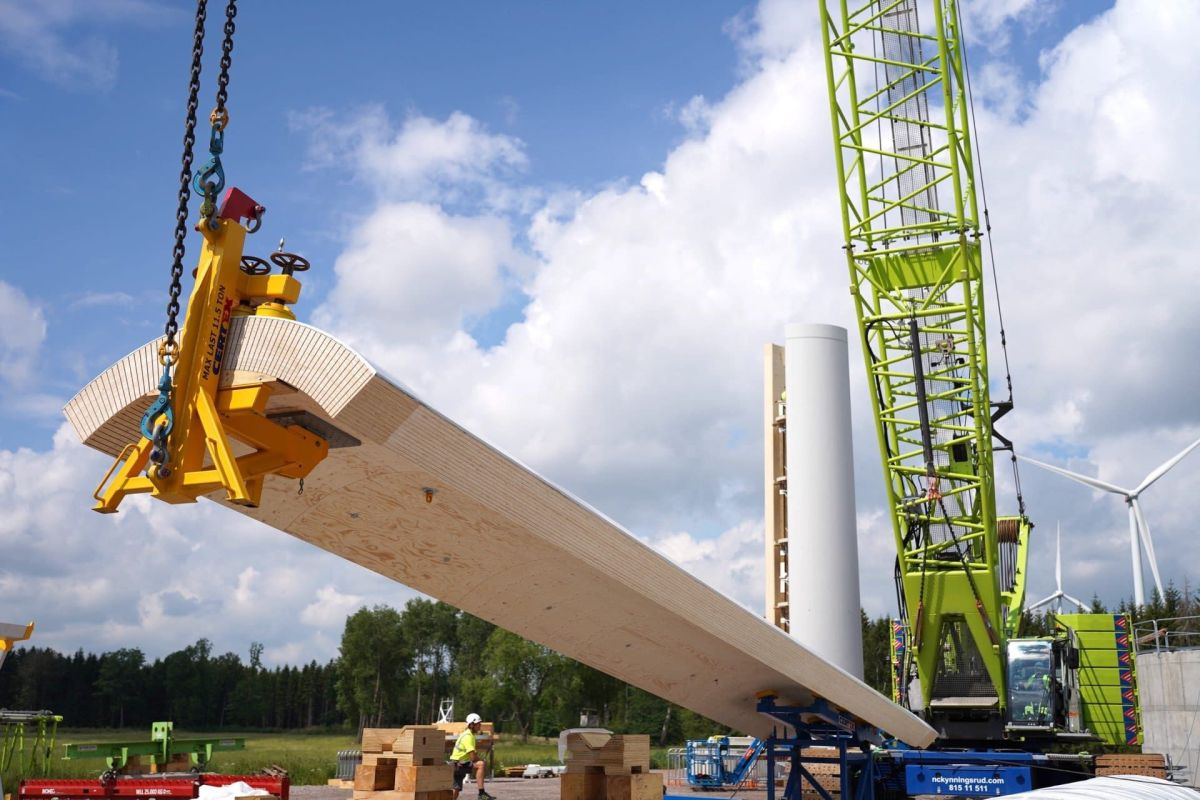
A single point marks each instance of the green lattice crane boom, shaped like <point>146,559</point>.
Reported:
<point>900,109</point>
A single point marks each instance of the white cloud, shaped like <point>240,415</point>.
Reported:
<point>22,331</point>
<point>991,22</point>
<point>449,160</point>
<point>155,576</point>
<point>633,377</point>
<point>731,563</point>
<point>330,609</point>
<point>417,273</point>
<point>55,38</point>
<point>92,299</point>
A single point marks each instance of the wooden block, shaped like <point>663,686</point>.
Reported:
<point>378,740</point>
<point>385,759</point>
<point>374,777</point>
<point>439,794</point>
<point>413,760</point>
<point>616,755</point>
<point>582,786</point>
<point>176,764</point>
<point>421,742</point>
<point>424,779</point>
<point>634,787</point>
<point>455,728</point>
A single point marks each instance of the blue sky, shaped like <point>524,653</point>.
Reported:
<point>537,214</point>
<point>96,151</point>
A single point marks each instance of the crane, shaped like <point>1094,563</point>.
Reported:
<point>900,107</point>
<point>899,103</point>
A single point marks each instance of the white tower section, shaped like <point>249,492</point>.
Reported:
<point>823,598</point>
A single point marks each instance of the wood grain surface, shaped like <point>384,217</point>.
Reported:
<point>556,571</point>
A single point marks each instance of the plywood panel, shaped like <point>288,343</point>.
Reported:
<point>557,572</point>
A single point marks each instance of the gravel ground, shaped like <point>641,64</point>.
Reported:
<point>514,789</point>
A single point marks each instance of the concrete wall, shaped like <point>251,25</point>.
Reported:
<point>1169,689</point>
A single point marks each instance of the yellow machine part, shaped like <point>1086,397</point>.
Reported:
<point>209,418</point>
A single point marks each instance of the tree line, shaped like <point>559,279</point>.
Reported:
<point>394,667</point>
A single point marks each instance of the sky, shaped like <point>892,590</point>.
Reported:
<point>572,228</point>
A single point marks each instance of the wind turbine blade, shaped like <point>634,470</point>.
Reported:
<point>1148,543</point>
<point>1165,468</point>
<point>1135,555</point>
<point>1095,483</point>
<point>1044,601</point>
<point>1058,556</point>
<point>1085,609</point>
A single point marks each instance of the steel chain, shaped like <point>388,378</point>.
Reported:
<point>226,60</point>
<point>210,180</point>
<point>170,348</point>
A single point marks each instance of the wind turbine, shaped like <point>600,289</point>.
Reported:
<point>1138,529</point>
<point>1059,594</point>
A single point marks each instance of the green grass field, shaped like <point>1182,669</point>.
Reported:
<point>309,758</point>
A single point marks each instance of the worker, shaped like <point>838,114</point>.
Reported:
<point>465,758</point>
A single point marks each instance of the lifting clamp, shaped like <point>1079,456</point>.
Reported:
<point>206,418</point>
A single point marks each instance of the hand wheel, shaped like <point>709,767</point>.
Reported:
<point>253,265</point>
<point>289,262</point>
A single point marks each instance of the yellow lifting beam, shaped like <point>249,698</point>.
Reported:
<point>208,417</point>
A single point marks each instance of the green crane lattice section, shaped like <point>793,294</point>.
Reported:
<point>899,108</point>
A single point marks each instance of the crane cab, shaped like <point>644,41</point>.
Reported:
<point>1043,687</point>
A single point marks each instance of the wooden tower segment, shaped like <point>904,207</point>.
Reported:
<point>774,491</point>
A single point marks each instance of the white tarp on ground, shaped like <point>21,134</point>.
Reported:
<point>1115,787</point>
<point>229,791</point>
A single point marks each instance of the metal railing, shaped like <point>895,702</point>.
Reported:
<point>677,770</point>
<point>1167,633</point>
<point>676,767</point>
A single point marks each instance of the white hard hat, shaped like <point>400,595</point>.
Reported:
<point>473,718</point>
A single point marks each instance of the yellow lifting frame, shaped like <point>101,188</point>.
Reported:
<point>209,417</point>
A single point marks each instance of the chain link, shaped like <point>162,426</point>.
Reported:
<point>210,179</point>
<point>170,347</point>
<point>226,61</point>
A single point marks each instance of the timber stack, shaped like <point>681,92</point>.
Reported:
<point>406,763</point>
<point>1152,765</point>
<point>826,773</point>
<point>601,766</point>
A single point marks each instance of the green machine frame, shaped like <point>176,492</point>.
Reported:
<point>26,742</point>
<point>900,112</point>
<point>162,749</point>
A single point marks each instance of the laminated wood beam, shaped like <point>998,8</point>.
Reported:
<point>413,496</point>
